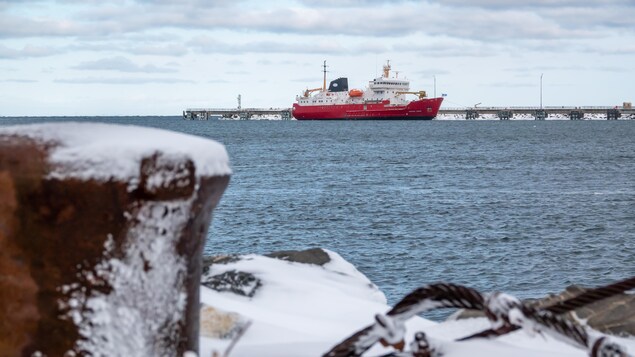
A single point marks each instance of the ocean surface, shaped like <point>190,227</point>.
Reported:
<point>525,207</point>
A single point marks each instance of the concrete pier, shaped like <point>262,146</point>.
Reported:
<point>469,113</point>
<point>572,113</point>
<point>235,113</point>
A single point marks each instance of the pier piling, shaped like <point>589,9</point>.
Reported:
<point>576,115</point>
<point>613,114</point>
<point>505,114</point>
<point>540,114</point>
<point>471,114</point>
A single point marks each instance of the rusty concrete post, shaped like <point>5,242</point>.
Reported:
<point>101,233</point>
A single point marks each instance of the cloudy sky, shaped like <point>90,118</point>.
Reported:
<point>147,57</point>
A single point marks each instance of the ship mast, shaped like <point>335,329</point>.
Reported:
<point>324,85</point>
<point>387,69</point>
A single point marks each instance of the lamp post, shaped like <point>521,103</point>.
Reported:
<point>541,90</point>
<point>435,85</point>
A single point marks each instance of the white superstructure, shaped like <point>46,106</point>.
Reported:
<point>393,89</point>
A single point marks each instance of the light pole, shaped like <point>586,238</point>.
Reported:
<point>541,90</point>
<point>435,85</point>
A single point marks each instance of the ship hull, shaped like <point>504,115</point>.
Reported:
<point>423,109</point>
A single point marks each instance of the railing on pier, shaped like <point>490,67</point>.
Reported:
<point>530,108</point>
<point>502,113</point>
<point>541,113</point>
<point>240,113</point>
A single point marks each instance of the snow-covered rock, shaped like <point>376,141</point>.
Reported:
<point>305,309</point>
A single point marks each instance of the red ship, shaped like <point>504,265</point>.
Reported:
<point>385,98</point>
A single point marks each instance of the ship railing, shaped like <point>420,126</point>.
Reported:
<point>534,108</point>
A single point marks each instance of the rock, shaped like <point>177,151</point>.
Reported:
<point>219,259</point>
<point>237,282</point>
<point>615,315</point>
<point>220,324</point>
<point>465,314</point>
<point>246,284</point>
<point>101,233</point>
<point>315,256</point>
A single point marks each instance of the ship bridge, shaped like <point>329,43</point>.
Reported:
<point>381,83</point>
<point>385,84</point>
<point>387,88</point>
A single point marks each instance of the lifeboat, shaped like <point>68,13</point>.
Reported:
<point>355,93</point>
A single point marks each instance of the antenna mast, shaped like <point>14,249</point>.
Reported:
<point>324,85</point>
<point>387,69</point>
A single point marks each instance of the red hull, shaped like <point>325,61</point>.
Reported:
<point>423,109</point>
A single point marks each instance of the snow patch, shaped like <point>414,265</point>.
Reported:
<point>148,296</point>
<point>103,151</point>
<point>305,310</point>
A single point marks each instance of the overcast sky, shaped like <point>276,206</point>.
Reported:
<point>146,57</point>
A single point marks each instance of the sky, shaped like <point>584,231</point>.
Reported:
<point>159,57</point>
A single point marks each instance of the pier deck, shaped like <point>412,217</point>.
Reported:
<point>538,113</point>
<point>239,113</point>
<point>502,113</point>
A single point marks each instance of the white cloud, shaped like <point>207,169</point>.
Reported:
<point>18,80</point>
<point>547,19</point>
<point>122,64</point>
<point>123,80</point>
<point>392,20</point>
<point>12,26</point>
<point>506,4</point>
<point>223,46</point>
<point>207,44</point>
<point>352,3</point>
<point>27,52</point>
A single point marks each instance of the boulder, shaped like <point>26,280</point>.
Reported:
<point>315,256</point>
<point>237,282</point>
<point>222,325</point>
<point>219,259</point>
<point>101,233</point>
<point>615,315</point>
<point>246,284</point>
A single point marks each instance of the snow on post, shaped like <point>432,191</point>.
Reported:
<point>101,234</point>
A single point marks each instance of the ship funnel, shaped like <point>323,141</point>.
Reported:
<point>339,85</point>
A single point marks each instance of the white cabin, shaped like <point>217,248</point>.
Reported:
<point>394,89</point>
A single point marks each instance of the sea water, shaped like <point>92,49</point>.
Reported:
<point>525,207</point>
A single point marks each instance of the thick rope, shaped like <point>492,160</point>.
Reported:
<point>506,313</point>
<point>562,307</point>
<point>592,295</point>
<point>388,329</point>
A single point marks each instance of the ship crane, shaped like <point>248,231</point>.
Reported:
<point>421,93</point>
<point>309,91</point>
